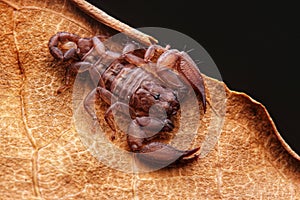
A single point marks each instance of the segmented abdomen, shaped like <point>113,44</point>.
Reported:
<point>124,79</point>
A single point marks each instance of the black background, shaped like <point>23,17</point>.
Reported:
<point>256,47</point>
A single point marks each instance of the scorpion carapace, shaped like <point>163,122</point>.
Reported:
<point>133,82</point>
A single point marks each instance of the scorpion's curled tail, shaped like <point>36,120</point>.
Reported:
<point>63,44</point>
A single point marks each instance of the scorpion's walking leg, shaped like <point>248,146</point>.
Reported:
<point>110,119</point>
<point>71,71</point>
<point>101,50</point>
<point>90,99</point>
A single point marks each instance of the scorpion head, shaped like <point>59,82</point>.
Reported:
<point>160,101</point>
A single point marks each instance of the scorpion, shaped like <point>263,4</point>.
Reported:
<point>133,82</point>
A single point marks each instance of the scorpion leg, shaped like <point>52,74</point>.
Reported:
<point>89,103</point>
<point>140,62</point>
<point>153,50</point>
<point>89,100</point>
<point>117,107</point>
<point>95,74</point>
<point>133,59</point>
<point>67,84</point>
<point>72,69</point>
<point>107,97</point>
<point>101,50</point>
<point>128,48</point>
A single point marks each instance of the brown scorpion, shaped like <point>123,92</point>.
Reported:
<point>132,82</point>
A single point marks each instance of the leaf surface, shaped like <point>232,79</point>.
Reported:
<point>42,155</point>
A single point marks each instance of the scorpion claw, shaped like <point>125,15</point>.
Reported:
<point>162,155</point>
<point>186,67</point>
<point>192,73</point>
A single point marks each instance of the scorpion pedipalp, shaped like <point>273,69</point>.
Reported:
<point>186,68</point>
<point>159,154</point>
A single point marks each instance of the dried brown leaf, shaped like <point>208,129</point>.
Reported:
<point>42,156</point>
